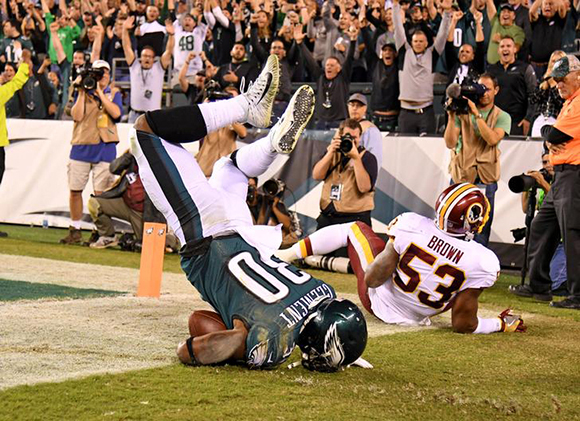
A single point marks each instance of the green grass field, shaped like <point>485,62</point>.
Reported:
<point>431,374</point>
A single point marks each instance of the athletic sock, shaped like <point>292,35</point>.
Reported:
<point>219,114</point>
<point>75,224</point>
<point>323,241</point>
<point>254,159</point>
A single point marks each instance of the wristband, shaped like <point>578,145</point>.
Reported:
<point>489,325</point>
<point>189,345</point>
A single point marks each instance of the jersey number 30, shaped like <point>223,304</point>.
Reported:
<point>268,287</point>
<point>442,271</point>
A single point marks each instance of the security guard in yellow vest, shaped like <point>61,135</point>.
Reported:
<point>349,173</point>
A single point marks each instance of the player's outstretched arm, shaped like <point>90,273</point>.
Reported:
<point>464,316</point>
<point>464,311</point>
<point>382,268</point>
<point>215,347</point>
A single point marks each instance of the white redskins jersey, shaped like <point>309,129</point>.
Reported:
<point>185,43</point>
<point>433,267</point>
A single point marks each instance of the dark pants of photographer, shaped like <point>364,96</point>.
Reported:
<point>483,236</point>
<point>103,210</point>
<point>559,217</point>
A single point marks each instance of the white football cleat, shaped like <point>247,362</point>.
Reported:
<point>288,129</point>
<point>261,93</point>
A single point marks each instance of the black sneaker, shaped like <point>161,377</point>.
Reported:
<point>568,303</point>
<point>526,291</point>
<point>92,239</point>
<point>561,291</point>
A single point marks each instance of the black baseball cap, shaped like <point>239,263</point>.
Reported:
<point>506,6</point>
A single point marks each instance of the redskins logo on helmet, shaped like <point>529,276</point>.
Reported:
<point>462,210</point>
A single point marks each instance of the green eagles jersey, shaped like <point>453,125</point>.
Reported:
<point>272,298</point>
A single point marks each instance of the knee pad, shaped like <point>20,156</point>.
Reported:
<point>94,208</point>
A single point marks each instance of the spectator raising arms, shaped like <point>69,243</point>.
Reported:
<point>189,38</point>
<point>548,18</point>
<point>332,83</point>
<point>146,74</point>
<point>504,25</point>
<point>7,90</point>
<point>223,30</point>
<point>416,72</point>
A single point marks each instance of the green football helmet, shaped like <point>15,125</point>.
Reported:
<point>334,335</point>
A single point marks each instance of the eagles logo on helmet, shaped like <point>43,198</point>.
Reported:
<point>462,210</point>
<point>335,335</point>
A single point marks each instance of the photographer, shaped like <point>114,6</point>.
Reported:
<point>558,217</point>
<point>541,181</point>
<point>349,173</point>
<point>269,209</point>
<point>124,200</point>
<point>95,112</point>
<point>473,133</point>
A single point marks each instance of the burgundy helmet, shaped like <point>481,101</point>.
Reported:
<point>461,210</point>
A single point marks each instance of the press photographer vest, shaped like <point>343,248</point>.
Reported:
<point>96,124</point>
<point>351,200</point>
<point>475,157</point>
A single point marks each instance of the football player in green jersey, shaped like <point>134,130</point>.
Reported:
<point>268,306</point>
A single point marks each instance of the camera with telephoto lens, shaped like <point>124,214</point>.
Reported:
<point>459,94</point>
<point>213,92</point>
<point>90,77</point>
<point>523,182</point>
<point>251,195</point>
<point>274,188</point>
<point>346,143</point>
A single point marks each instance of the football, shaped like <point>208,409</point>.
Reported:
<point>202,322</point>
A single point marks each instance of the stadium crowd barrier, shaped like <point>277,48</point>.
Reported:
<point>413,172</point>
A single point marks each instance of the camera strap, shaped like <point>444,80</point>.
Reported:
<point>342,162</point>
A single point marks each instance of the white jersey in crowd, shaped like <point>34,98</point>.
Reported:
<point>146,86</point>
<point>185,43</point>
<point>433,268</point>
<point>149,27</point>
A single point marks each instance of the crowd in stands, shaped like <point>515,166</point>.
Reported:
<point>205,47</point>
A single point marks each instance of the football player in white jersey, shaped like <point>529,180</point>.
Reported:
<point>425,268</point>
